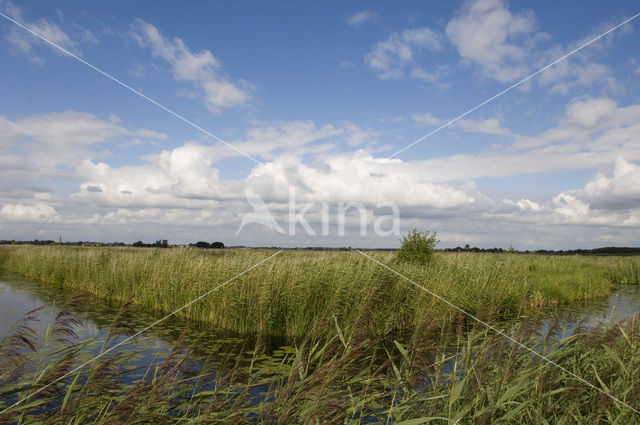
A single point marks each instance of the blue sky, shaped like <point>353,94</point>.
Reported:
<point>321,94</point>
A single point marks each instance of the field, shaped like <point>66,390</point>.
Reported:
<point>365,345</point>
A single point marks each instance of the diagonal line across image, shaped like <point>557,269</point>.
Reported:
<point>499,332</point>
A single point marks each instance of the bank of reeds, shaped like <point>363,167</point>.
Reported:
<point>290,294</point>
<point>474,377</point>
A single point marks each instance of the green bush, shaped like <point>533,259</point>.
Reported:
<point>417,247</point>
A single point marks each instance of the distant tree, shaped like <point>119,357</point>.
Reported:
<point>217,245</point>
<point>138,244</point>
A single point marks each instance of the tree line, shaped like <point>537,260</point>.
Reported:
<point>161,243</point>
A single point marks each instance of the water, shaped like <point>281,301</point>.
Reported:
<point>622,303</point>
<point>19,296</point>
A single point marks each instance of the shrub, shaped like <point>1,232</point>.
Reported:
<point>417,247</point>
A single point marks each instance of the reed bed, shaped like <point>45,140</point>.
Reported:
<point>292,294</point>
<point>474,377</point>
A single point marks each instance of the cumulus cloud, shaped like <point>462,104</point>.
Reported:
<point>507,47</point>
<point>361,18</point>
<point>183,186</point>
<point>620,191</point>
<point>29,213</point>
<point>485,32</point>
<point>615,126</point>
<point>389,58</point>
<point>41,148</point>
<point>590,113</point>
<point>341,179</point>
<point>201,69</point>
<point>59,138</point>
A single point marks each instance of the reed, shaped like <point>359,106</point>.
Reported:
<point>475,377</point>
<point>290,295</point>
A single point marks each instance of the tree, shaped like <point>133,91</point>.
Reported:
<point>217,245</point>
<point>162,243</point>
<point>417,247</point>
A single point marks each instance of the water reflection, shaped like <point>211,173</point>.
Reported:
<point>19,296</point>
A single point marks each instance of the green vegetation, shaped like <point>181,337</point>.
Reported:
<point>345,378</point>
<point>417,247</point>
<point>293,294</point>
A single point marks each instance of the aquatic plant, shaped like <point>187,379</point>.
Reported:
<point>290,295</point>
<point>474,377</point>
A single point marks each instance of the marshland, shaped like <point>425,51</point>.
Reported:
<point>316,337</point>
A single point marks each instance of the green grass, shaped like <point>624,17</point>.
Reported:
<point>291,294</point>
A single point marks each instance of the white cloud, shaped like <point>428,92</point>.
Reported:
<point>64,128</point>
<point>361,18</point>
<point>29,213</point>
<point>390,57</point>
<point>528,205</point>
<point>506,47</point>
<point>436,76</point>
<point>341,179</point>
<point>296,139</point>
<point>622,190</point>
<point>186,175</point>
<point>576,72</point>
<point>40,148</point>
<point>66,133</point>
<point>591,113</point>
<point>202,69</point>
<point>180,178</point>
<point>569,206</point>
<point>182,187</point>
<point>345,64</point>
<point>427,118</point>
<point>26,44</point>
<point>588,117</point>
<point>488,126</point>
<point>487,33</point>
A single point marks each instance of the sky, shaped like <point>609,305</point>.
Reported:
<point>321,123</point>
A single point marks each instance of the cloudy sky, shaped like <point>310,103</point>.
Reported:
<point>259,102</point>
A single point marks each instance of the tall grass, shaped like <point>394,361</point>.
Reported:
<point>289,295</point>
